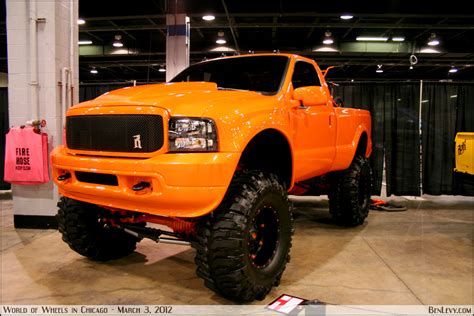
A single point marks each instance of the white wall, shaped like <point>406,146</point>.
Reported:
<point>53,53</point>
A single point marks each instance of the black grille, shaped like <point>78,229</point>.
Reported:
<point>118,133</point>
<point>97,178</point>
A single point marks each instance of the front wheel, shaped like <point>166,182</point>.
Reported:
<point>83,228</point>
<point>243,246</point>
<point>349,194</point>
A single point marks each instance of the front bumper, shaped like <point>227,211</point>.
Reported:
<point>182,185</point>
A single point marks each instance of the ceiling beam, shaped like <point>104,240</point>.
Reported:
<point>429,29</point>
<point>327,62</point>
<point>350,29</point>
<point>231,25</point>
<point>293,14</point>
<point>332,60</point>
<point>257,25</point>
<point>311,30</point>
<point>162,32</point>
<point>95,36</point>
<point>125,32</point>
<point>274,29</point>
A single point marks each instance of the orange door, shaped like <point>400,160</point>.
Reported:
<point>314,128</point>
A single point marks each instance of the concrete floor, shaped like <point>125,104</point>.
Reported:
<point>422,256</point>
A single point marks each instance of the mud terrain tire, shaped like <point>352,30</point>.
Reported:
<point>349,195</point>
<point>243,246</point>
<point>82,229</point>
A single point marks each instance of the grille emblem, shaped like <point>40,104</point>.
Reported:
<point>137,141</point>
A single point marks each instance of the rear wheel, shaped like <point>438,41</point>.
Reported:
<point>83,228</point>
<point>243,246</point>
<point>349,195</point>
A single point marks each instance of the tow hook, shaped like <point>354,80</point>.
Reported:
<point>141,186</point>
<point>64,176</point>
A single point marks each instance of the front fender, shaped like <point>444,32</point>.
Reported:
<point>239,125</point>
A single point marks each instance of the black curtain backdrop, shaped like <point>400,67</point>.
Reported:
<point>395,133</point>
<point>402,139</point>
<point>447,110</point>
<point>3,129</point>
<point>89,92</point>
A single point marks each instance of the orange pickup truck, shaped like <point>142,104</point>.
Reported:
<point>213,155</point>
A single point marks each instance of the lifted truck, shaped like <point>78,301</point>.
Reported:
<point>213,155</point>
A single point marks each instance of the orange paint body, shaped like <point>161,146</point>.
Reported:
<point>191,184</point>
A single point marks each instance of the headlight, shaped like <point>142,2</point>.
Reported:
<point>192,134</point>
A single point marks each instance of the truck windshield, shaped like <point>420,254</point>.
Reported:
<point>262,74</point>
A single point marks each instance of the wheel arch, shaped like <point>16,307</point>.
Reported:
<point>362,143</point>
<point>269,150</point>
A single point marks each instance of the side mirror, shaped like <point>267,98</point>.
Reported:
<point>310,96</point>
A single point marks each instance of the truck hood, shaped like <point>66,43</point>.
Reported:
<point>180,98</point>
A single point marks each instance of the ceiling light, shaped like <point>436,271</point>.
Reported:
<point>371,39</point>
<point>162,69</point>
<point>429,50</point>
<point>208,18</point>
<point>221,48</point>
<point>433,40</point>
<point>94,71</point>
<point>379,69</point>
<point>398,39</point>
<point>328,38</point>
<point>325,49</point>
<point>346,16</point>
<point>81,21</point>
<point>118,42</point>
<point>453,70</point>
<point>220,38</point>
<point>85,42</point>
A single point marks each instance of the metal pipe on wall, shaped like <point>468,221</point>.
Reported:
<point>420,110</point>
<point>65,87</point>
<point>72,43</point>
<point>33,52</point>
<point>67,97</point>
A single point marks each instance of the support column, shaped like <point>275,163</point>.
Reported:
<point>177,40</point>
<point>42,53</point>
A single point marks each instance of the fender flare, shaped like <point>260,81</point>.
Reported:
<point>360,130</point>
